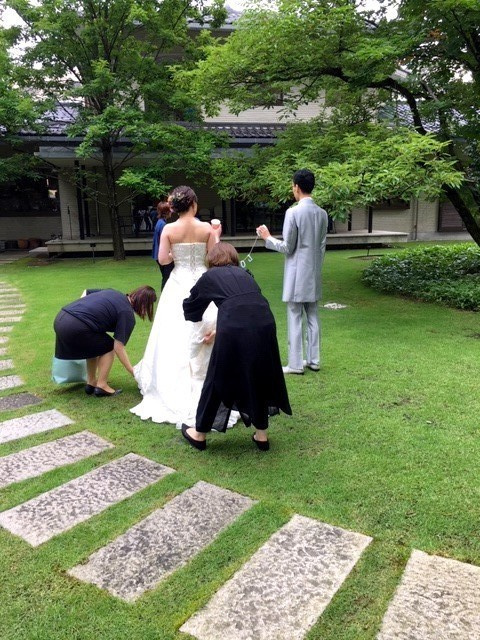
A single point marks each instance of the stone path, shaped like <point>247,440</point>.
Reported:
<point>7,310</point>
<point>163,542</point>
<point>18,401</point>
<point>6,257</point>
<point>283,589</point>
<point>60,509</point>
<point>277,595</point>
<point>32,462</point>
<point>17,428</point>
<point>10,382</point>
<point>438,599</point>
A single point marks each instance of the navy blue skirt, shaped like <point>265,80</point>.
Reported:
<point>75,340</point>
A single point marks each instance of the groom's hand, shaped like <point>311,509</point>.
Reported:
<point>208,338</point>
<point>263,232</point>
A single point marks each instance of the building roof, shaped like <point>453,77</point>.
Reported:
<point>58,120</point>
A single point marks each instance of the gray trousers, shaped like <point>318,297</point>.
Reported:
<point>295,333</point>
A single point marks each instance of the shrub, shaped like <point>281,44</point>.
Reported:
<point>448,275</point>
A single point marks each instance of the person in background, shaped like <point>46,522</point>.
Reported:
<point>245,371</point>
<point>164,212</point>
<point>147,220</point>
<point>81,332</point>
<point>304,240</point>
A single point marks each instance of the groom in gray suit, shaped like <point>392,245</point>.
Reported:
<point>304,240</point>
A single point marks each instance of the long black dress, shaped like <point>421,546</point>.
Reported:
<point>245,371</point>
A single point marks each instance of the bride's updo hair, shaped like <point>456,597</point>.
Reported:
<point>181,199</point>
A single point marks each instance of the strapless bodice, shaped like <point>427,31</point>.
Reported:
<point>189,256</point>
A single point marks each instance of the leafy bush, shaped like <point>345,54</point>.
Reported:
<point>449,275</point>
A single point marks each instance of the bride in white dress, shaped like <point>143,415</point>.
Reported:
<point>171,374</point>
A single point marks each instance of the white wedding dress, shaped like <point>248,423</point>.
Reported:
<point>171,374</point>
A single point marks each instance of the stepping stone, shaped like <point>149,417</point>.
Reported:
<point>10,318</point>
<point>8,290</point>
<point>163,542</point>
<point>3,351</point>
<point>60,509</point>
<point>32,462</point>
<point>5,329</point>
<point>437,599</point>
<point>9,382</point>
<point>7,311</point>
<point>283,589</point>
<point>3,339</point>
<point>6,364</point>
<point>18,400</point>
<point>17,428</point>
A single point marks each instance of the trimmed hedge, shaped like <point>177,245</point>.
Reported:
<point>449,275</point>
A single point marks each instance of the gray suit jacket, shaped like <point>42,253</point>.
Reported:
<point>304,240</point>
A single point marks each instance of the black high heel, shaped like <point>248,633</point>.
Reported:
<point>263,446</point>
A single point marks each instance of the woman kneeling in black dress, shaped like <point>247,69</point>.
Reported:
<point>245,372</point>
<point>81,332</point>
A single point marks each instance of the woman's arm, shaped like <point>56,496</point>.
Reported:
<point>164,255</point>
<point>121,352</point>
<point>214,237</point>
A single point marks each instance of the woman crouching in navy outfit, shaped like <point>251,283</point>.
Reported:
<point>81,332</point>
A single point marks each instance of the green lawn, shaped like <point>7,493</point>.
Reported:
<point>383,441</point>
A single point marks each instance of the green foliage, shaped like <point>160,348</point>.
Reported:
<point>448,275</point>
<point>18,111</point>
<point>354,167</point>
<point>113,60</point>
<point>422,65</point>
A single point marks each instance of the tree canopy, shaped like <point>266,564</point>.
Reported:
<point>421,67</point>
<point>111,60</point>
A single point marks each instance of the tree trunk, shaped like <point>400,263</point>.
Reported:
<point>464,202</point>
<point>112,201</point>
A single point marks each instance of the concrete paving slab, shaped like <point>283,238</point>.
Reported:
<point>60,509</point>
<point>437,599</point>
<point>7,289</point>
<point>4,339</point>
<point>11,310</point>
<point>163,542</point>
<point>3,351</point>
<point>18,401</point>
<point>35,461</point>
<point>283,589</point>
<point>17,428</point>
<point>6,329</point>
<point>10,382</point>
<point>6,364</point>
<point>10,318</point>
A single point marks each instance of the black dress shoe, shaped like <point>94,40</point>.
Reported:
<point>263,446</point>
<point>89,389</point>
<point>201,445</point>
<point>101,393</point>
